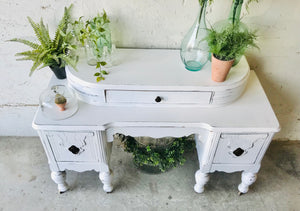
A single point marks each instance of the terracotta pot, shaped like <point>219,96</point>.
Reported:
<point>62,106</point>
<point>220,69</point>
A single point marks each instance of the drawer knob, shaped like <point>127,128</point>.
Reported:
<point>238,152</point>
<point>158,99</point>
<point>75,150</point>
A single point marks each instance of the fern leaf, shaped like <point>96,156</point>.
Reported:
<point>28,53</point>
<point>26,42</point>
<point>35,66</point>
<point>45,33</point>
<point>26,58</point>
<point>37,31</point>
<point>70,61</point>
<point>57,39</point>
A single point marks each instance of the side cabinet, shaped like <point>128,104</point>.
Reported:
<point>232,152</point>
<point>239,152</point>
<point>73,146</point>
<point>239,148</point>
<point>76,150</point>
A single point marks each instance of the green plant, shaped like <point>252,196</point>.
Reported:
<point>60,99</point>
<point>79,31</point>
<point>53,53</point>
<point>201,2</point>
<point>230,42</point>
<point>99,38</point>
<point>163,158</point>
<point>95,34</point>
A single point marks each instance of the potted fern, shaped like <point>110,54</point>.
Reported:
<point>228,41</point>
<point>56,53</point>
<point>227,45</point>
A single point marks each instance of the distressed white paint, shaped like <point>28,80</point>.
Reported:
<point>59,177</point>
<point>217,139</point>
<point>153,24</point>
<point>145,75</point>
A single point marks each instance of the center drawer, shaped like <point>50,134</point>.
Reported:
<point>157,97</point>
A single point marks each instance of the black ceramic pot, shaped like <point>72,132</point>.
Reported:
<point>59,72</point>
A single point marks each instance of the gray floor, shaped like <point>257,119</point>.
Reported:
<point>25,183</point>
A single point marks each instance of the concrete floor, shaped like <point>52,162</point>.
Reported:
<point>25,183</point>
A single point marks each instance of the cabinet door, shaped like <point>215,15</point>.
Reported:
<point>73,146</point>
<point>238,148</point>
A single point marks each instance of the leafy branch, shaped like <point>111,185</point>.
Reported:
<point>100,74</point>
<point>95,33</point>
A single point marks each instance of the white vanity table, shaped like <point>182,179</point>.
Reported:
<point>149,93</point>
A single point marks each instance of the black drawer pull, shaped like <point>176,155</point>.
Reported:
<point>75,150</point>
<point>238,152</point>
<point>158,99</point>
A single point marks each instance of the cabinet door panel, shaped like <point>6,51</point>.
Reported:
<point>239,148</point>
<point>73,146</point>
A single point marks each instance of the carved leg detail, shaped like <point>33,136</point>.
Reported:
<point>247,180</point>
<point>59,177</point>
<point>201,180</point>
<point>106,179</point>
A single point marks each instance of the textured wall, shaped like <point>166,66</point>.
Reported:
<point>152,24</point>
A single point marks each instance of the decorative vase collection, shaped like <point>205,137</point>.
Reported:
<point>227,41</point>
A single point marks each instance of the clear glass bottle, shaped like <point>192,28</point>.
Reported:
<point>194,49</point>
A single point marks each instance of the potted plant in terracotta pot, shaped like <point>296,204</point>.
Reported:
<point>226,45</point>
<point>60,101</point>
<point>54,53</point>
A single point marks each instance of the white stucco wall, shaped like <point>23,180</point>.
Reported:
<point>152,24</point>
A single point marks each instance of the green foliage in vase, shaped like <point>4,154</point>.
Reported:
<point>79,31</point>
<point>163,158</point>
<point>95,33</point>
<point>56,52</point>
<point>230,42</point>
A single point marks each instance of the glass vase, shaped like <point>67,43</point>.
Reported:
<point>194,49</point>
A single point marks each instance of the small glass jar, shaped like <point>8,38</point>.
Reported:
<point>58,102</point>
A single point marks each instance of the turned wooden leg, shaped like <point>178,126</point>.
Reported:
<point>247,180</point>
<point>59,177</point>
<point>106,179</point>
<point>201,180</point>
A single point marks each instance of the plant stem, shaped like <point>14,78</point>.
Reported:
<point>236,11</point>
<point>202,10</point>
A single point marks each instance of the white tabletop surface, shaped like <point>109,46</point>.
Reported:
<point>155,68</point>
<point>251,110</point>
